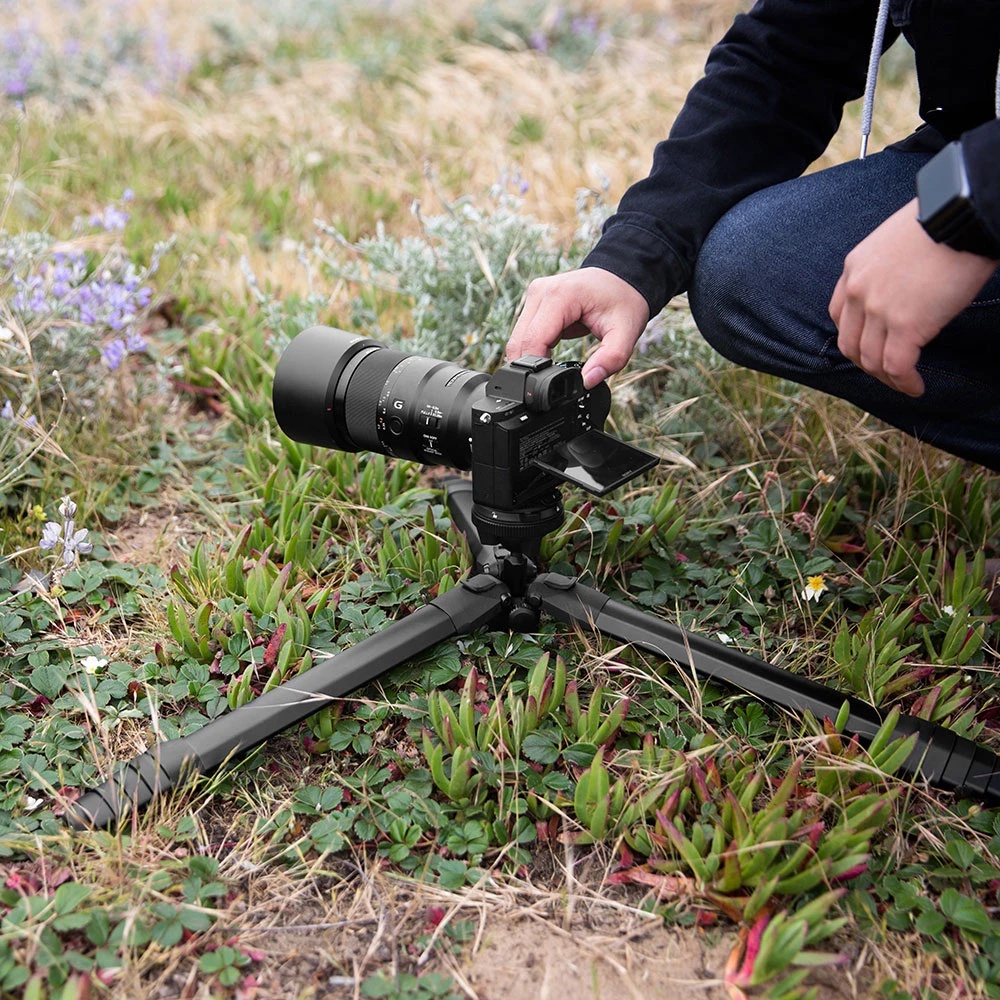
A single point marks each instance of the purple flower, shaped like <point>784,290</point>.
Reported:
<point>135,342</point>
<point>111,219</point>
<point>538,41</point>
<point>113,354</point>
<point>19,419</point>
<point>20,52</point>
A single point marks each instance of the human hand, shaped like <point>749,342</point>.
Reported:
<point>573,304</point>
<point>897,290</point>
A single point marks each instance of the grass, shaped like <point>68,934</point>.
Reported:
<point>552,781</point>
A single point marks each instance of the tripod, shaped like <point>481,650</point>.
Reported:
<point>505,591</point>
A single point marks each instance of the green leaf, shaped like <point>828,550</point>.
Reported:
<point>49,679</point>
<point>931,923</point>
<point>969,914</point>
<point>69,896</point>
<point>541,747</point>
<point>961,852</point>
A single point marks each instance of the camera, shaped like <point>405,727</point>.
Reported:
<point>521,430</point>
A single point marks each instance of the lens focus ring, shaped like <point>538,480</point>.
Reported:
<point>362,388</point>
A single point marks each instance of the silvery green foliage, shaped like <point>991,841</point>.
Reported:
<point>285,317</point>
<point>319,15</point>
<point>463,276</point>
<point>571,34</point>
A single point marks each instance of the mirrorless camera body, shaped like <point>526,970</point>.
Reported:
<point>537,423</point>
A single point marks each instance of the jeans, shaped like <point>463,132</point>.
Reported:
<point>762,287</point>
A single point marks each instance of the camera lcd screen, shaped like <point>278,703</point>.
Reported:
<point>597,462</point>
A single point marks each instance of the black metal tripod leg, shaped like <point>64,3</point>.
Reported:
<point>472,604</point>
<point>940,756</point>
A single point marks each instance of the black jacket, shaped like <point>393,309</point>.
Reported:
<point>771,100</point>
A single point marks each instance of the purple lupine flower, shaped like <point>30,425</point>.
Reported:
<point>74,543</point>
<point>113,354</point>
<point>111,219</point>
<point>538,41</point>
<point>135,342</point>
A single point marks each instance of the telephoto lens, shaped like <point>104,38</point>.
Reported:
<point>341,390</point>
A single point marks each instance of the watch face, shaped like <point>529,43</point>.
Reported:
<point>943,192</point>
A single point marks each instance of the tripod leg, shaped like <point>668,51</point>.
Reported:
<point>940,756</point>
<point>472,604</point>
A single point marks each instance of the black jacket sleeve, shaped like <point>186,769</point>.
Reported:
<point>770,100</point>
<point>981,152</point>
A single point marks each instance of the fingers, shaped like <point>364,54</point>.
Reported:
<point>899,362</point>
<point>898,291</point>
<point>864,337</point>
<point>610,357</point>
<point>576,303</point>
<point>547,316</point>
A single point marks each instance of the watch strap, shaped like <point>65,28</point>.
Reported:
<point>966,231</point>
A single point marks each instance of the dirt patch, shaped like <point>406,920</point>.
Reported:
<point>531,958</point>
<point>542,938</point>
<point>154,537</point>
<point>512,954</point>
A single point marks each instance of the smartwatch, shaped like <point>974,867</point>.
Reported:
<point>945,206</point>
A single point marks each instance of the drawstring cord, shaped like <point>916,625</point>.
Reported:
<point>996,99</point>
<point>872,78</point>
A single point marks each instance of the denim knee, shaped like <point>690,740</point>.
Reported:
<point>759,301</point>
<point>719,284</point>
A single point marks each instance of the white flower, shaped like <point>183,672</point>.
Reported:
<point>51,534</point>
<point>815,588</point>
<point>31,803</point>
<point>91,664</point>
<point>723,638</point>
<point>949,610</point>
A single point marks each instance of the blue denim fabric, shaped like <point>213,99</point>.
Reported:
<point>762,287</point>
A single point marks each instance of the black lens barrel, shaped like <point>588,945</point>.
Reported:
<point>339,390</point>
